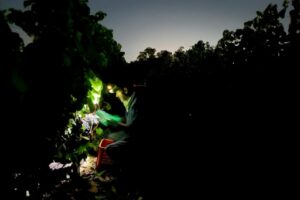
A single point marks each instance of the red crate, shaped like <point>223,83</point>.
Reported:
<point>102,157</point>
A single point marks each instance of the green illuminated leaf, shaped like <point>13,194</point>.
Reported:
<point>97,84</point>
<point>99,131</point>
<point>85,137</point>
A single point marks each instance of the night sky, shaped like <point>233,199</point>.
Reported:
<point>169,24</point>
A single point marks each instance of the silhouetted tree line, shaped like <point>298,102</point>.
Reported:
<point>249,67</point>
<point>221,112</point>
<point>211,109</point>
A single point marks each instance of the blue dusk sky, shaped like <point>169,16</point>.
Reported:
<point>169,24</point>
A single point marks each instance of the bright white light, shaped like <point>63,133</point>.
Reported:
<point>109,87</point>
<point>111,91</point>
<point>96,98</point>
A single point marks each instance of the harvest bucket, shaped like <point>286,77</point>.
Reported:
<point>102,157</point>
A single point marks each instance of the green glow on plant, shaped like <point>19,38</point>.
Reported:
<point>96,83</point>
<point>106,118</point>
<point>97,87</point>
<point>83,111</point>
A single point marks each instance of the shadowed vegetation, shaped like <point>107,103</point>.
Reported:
<point>211,111</point>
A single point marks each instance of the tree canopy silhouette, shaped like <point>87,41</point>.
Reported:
<point>228,94</point>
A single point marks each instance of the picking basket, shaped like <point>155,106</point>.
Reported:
<point>102,157</point>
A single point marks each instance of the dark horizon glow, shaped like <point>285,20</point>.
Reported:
<point>169,24</point>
